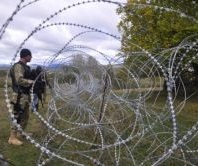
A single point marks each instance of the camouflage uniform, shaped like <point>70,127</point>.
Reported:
<point>21,84</point>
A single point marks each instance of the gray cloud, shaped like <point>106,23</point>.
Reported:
<point>48,41</point>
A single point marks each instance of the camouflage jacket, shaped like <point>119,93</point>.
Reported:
<point>21,78</point>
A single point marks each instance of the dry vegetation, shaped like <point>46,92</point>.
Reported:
<point>28,154</point>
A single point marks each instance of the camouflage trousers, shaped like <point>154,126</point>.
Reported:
<point>21,113</point>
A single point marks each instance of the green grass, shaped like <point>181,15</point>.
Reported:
<point>27,154</point>
<point>2,77</point>
<point>23,155</point>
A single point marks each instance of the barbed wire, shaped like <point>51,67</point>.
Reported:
<point>96,116</point>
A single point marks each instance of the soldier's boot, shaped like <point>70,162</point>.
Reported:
<point>13,139</point>
<point>19,135</point>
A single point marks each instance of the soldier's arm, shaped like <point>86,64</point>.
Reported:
<point>19,76</point>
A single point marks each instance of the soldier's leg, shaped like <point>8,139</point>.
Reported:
<point>13,133</point>
<point>24,117</point>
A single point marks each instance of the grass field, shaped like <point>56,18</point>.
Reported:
<point>16,155</point>
<point>28,154</point>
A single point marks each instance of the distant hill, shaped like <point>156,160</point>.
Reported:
<point>7,66</point>
<point>4,66</point>
<point>52,66</point>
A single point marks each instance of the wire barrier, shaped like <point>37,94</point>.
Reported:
<point>105,113</point>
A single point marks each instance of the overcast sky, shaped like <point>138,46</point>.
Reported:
<point>46,42</point>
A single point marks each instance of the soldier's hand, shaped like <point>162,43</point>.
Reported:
<point>30,82</point>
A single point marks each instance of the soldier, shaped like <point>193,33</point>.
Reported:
<point>39,89</point>
<point>20,74</point>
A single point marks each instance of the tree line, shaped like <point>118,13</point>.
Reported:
<point>159,26</point>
